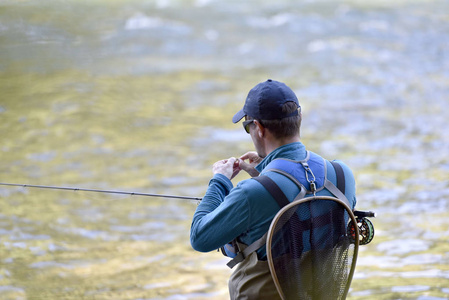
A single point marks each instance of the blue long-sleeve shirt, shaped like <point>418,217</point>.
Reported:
<point>246,211</point>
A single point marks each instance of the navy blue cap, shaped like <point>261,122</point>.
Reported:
<point>265,101</point>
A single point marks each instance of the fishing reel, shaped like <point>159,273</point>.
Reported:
<point>366,228</point>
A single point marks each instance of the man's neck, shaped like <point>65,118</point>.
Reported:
<point>273,144</point>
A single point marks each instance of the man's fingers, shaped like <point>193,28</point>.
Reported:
<point>231,161</point>
<point>249,155</point>
<point>248,168</point>
<point>226,167</point>
<point>232,166</point>
<point>252,157</point>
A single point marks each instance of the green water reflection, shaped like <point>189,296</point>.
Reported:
<point>138,96</point>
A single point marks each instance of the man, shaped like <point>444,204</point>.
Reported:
<point>244,213</point>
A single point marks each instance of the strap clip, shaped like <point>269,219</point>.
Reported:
<point>310,181</point>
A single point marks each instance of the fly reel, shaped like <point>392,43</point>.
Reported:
<point>366,228</point>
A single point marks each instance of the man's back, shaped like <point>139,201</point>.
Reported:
<point>272,119</point>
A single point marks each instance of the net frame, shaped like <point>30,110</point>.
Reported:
<point>274,224</point>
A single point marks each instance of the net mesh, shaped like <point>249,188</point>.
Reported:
<point>311,254</point>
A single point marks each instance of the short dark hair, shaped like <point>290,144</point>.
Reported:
<point>285,127</point>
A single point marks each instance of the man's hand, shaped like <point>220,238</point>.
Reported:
<point>253,160</point>
<point>227,167</point>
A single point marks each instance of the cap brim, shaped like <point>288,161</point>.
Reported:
<point>238,116</point>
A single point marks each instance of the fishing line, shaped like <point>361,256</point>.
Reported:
<point>99,191</point>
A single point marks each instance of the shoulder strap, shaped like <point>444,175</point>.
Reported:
<point>282,201</point>
<point>339,190</point>
<point>274,190</point>
<point>340,176</point>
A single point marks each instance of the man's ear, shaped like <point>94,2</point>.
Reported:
<point>260,129</point>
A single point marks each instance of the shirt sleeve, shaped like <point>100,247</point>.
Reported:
<point>222,215</point>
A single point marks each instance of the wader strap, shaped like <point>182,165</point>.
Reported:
<point>247,251</point>
<point>282,201</point>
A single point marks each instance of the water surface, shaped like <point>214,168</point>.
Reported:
<point>138,96</point>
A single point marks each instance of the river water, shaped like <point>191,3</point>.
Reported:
<point>138,96</point>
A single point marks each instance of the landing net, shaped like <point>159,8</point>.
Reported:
<point>309,252</point>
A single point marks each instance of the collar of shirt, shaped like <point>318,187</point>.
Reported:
<point>294,151</point>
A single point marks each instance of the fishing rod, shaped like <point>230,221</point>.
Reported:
<point>99,191</point>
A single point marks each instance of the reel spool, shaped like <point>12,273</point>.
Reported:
<point>366,228</point>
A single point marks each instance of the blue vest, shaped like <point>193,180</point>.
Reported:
<point>311,170</point>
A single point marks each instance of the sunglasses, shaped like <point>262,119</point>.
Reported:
<point>246,125</point>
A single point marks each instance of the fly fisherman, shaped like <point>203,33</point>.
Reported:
<point>240,215</point>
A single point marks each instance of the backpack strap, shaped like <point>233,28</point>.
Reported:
<point>273,189</point>
<point>282,201</point>
<point>340,176</point>
<point>339,190</point>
